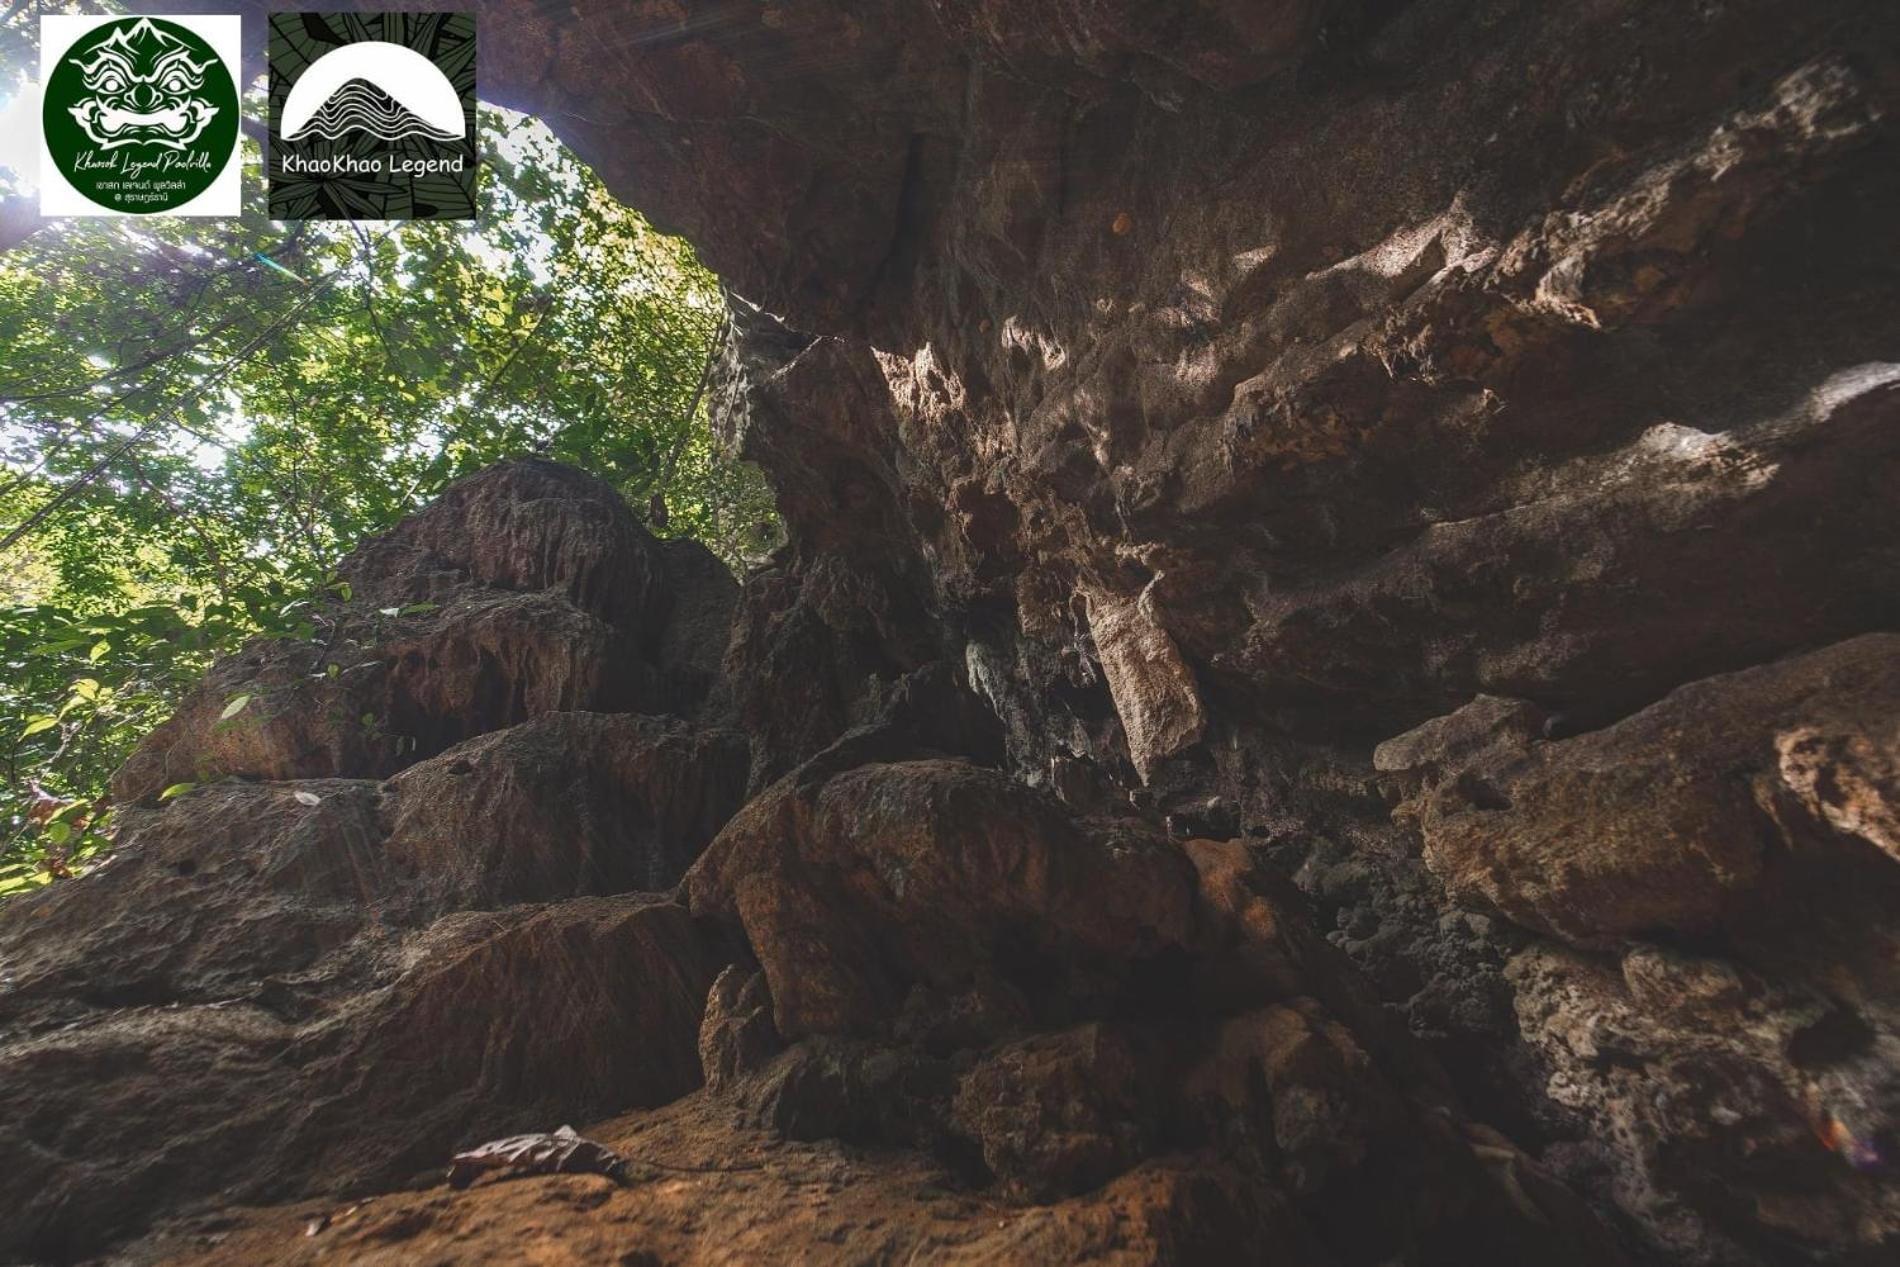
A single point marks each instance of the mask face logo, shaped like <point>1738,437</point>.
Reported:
<point>146,89</point>
<point>140,115</point>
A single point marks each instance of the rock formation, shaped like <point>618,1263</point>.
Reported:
<point>1330,698</point>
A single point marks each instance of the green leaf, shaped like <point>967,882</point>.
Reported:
<point>176,789</point>
<point>99,651</point>
<point>38,724</point>
<point>69,809</point>
<point>56,648</point>
<point>234,706</point>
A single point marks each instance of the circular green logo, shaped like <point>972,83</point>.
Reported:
<point>141,115</point>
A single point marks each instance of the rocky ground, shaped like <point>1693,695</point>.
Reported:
<point>1331,697</point>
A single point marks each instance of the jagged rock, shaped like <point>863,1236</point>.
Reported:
<point>232,890</point>
<point>222,895</point>
<point>851,1089</point>
<point>476,1026</point>
<point>702,599</point>
<point>1845,772</point>
<point>1153,688</point>
<point>524,590</point>
<point>484,610</point>
<point>503,1020</point>
<point>1393,354</point>
<point>1061,1113</point>
<point>736,1035</point>
<point>1670,504</point>
<point>1747,809</point>
<point>1736,1114</point>
<point>528,526</point>
<point>810,661</point>
<point>1324,1106</point>
<point>324,984</point>
<point>1259,946</point>
<point>875,896</point>
<point>1308,1077</point>
<point>858,886</point>
<point>1455,740</point>
<point>100,1118</point>
<point>1672,820</point>
<point>409,688</point>
<point>564,805</point>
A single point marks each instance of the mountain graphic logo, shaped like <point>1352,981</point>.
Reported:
<point>360,106</point>
<point>389,91</point>
<point>373,116</point>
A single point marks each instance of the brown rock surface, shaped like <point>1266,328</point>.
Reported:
<point>736,1034</point>
<point>927,872</point>
<point>1168,403</point>
<point>1151,685</point>
<point>1149,1139</point>
<point>528,527</point>
<point>1741,1101</point>
<point>707,1191</point>
<point>1738,827</point>
<point>566,804</point>
<point>1060,1113</point>
<point>319,984</point>
<point>525,590</point>
<point>116,1110</point>
<point>1673,819</point>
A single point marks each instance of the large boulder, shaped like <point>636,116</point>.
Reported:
<point>324,1081</point>
<point>1045,1003</point>
<point>524,590</point>
<point>854,888</point>
<point>206,900</point>
<point>1671,820</point>
<point>524,526</point>
<point>1720,867</point>
<point>292,978</point>
<point>566,804</point>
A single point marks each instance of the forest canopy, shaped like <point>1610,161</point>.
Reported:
<point>200,418</point>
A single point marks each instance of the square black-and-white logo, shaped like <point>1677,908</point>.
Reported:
<point>372,116</point>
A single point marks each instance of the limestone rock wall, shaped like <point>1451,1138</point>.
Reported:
<point>1329,696</point>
